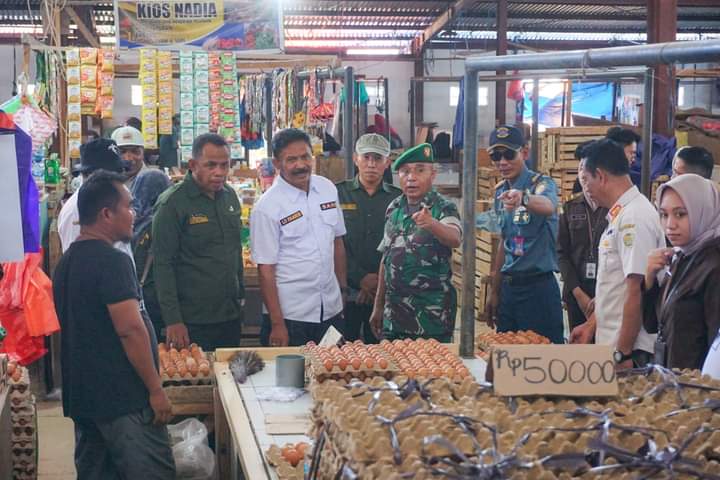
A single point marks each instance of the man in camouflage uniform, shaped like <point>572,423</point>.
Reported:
<point>415,298</point>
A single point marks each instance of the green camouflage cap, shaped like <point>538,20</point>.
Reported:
<point>422,153</point>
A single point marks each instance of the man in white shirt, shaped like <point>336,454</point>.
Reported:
<point>99,154</point>
<point>132,150</point>
<point>296,231</point>
<point>633,231</point>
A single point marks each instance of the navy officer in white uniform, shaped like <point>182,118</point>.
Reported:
<point>296,231</point>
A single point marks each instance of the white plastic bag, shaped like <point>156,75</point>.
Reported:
<point>193,458</point>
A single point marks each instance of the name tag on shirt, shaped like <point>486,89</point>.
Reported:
<point>198,219</point>
<point>348,206</point>
<point>328,205</point>
<point>291,218</point>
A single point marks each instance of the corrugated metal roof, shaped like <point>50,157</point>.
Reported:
<point>405,19</point>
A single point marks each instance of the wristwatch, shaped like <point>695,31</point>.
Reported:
<point>621,357</point>
<point>525,199</point>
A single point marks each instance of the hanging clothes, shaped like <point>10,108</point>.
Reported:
<point>252,111</point>
<point>360,96</point>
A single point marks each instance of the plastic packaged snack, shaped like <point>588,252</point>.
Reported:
<point>88,76</point>
<point>88,56</point>
<point>72,57</point>
<point>72,75</point>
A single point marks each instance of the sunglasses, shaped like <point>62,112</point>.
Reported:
<point>498,155</point>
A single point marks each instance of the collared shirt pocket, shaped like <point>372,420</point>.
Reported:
<point>202,230</point>
<point>294,225</point>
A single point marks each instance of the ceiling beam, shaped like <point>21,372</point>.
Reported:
<point>84,30</point>
<point>438,25</point>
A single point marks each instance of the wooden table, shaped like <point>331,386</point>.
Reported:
<point>245,427</point>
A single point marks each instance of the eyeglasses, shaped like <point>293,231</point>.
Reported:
<point>498,155</point>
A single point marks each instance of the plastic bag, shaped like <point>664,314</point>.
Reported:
<point>193,458</point>
<point>279,394</point>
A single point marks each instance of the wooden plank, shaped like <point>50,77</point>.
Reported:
<point>601,130</point>
<point>223,449</point>
<point>287,428</point>
<point>251,456</point>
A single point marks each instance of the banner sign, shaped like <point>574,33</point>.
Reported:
<point>210,25</point>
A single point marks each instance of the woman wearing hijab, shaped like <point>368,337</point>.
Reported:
<point>681,300</point>
<point>147,188</point>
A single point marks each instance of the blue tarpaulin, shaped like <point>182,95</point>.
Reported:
<point>588,99</point>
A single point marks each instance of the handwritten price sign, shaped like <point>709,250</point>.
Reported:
<point>567,370</point>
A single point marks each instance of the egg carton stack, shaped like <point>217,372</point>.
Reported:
<point>425,359</point>
<point>352,360</point>
<point>487,341</point>
<point>662,425</point>
<point>23,416</point>
<point>184,367</point>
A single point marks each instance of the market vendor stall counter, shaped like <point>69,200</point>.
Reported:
<point>246,426</point>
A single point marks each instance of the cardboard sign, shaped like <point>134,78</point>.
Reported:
<point>331,337</point>
<point>565,370</point>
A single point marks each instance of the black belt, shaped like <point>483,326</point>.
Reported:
<point>522,279</point>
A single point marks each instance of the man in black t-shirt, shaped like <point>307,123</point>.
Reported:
<point>111,387</point>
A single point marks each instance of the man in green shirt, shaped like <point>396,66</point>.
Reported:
<point>415,298</point>
<point>364,200</point>
<point>198,253</point>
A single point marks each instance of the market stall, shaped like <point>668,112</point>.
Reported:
<point>253,425</point>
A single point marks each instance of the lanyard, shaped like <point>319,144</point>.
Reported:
<point>591,231</point>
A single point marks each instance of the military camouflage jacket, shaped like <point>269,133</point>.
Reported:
<point>419,297</point>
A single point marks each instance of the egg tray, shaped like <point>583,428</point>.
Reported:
<point>437,428</point>
<point>486,341</point>
<point>317,371</point>
<point>283,468</point>
<point>424,359</point>
<point>188,379</point>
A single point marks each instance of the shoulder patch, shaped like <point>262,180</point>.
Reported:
<point>291,218</point>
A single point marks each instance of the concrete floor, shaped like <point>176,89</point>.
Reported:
<point>56,443</point>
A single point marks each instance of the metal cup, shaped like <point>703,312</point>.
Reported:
<point>290,371</point>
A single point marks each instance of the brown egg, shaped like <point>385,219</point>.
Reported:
<point>343,363</point>
<point>204,369</point>
<point>293,457</point>
<point>182,369</point>
<point>437,372</point>
<point>382,363</point>
<point>328,364</point>
<point>193,369</point>
<point>301,448</point>
<point>356,363</point>
<point>170,371</point>
<point>369,363</point>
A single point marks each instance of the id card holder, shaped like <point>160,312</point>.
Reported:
<point>518,246</point>
<point>590,270</point>
<point>660,353</point>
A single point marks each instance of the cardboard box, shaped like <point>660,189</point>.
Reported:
<point>696,138</point>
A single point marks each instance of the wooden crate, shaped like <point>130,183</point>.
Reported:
<point>488,177</point>
<point>565,181</point>
<point>558,145</point>
<point>485,250</point>
<point>191,399</point>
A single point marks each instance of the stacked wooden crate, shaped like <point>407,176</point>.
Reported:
<point>558,154</point>
<point>487,178</point>
<point>486,245</point>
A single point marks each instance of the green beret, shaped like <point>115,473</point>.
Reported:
<point>422,153</point>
